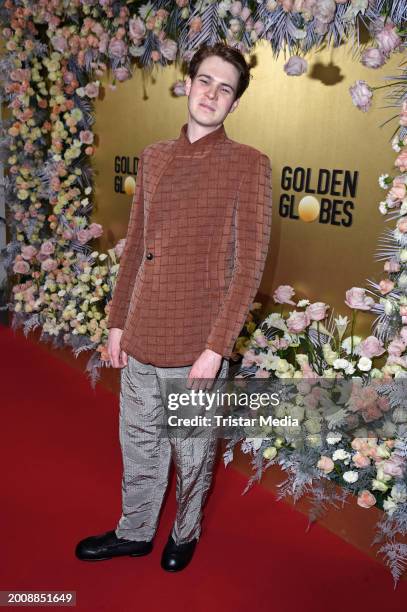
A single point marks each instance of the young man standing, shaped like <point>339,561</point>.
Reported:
<point>196,246</point>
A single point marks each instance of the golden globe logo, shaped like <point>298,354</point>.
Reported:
<point>124,165</point>
<point>308,209</point>
<point>129,185</point>
<point>336,187</point>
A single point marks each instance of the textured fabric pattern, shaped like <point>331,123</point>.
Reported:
<point>195,251</point>
<point>147,455</point>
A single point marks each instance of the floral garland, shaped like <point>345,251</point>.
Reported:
<point>56,53</point>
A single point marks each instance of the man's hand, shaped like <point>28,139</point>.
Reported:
<point>206,367</point>
<point>118,357</point>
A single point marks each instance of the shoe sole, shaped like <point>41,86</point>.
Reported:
<point>113,557</point>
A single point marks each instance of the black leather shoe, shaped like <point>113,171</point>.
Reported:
<point>108,545</point>
<point>176,557</point>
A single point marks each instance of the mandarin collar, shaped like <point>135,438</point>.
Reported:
<point>210,139</point>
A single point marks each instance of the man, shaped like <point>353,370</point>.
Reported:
<point>195,250</point>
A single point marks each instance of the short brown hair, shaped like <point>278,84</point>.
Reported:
<point>227,53</point>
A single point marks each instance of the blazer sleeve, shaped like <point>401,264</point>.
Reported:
<point>253,227</point>
<point>131,257</point>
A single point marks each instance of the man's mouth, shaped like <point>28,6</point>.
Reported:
<point>206,106</point>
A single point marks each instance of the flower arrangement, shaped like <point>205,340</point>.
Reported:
<point>56,54</point>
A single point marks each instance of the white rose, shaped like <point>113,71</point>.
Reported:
<point>340,454</point>
<point>341,364</point>
<point>378,485</point>
<point>270,452</point>
<point>364,364</point>
<point>389,506</point>
<point>334,438</point>
<point>350,476</point>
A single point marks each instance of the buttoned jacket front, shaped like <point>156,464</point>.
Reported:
<point>195,249</point>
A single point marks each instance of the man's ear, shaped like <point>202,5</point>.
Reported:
<point>188,84</point>
<point>234,105</point>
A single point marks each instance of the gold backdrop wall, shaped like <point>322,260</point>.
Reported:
<point>305,122</point>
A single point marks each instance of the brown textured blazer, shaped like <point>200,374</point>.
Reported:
<point>195,250</point>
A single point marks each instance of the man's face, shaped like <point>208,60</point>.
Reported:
<point>211,95</point>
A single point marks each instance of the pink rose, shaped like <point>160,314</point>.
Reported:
<point>283,295</point>
<point>297,322</point>
<point>59,43</point>
<point>245,14</point>
<point>261,373</point>
<point>324,10</point>
<point>137,29</point>
<point>357,298</point>
<point>119,247</point>
<point>121,73</point>
<point>47,248</point>
<point>361,95</point>
<point>325,464</point>
<point>235,9</point>
<point>360,460</point>
<point>117,48</point>
<point>258,27</point>
<point>49,264</point>
<point>391,266</point>
<point>181,3</point>
<point>67,234</point>
<point>95,230</point>
<point>83,236</point>
<point>393,466</point>
<point>402,225</point>
<point>92,90</point>
<point>195,25</point>
<point>396,347</point>
<point>385,286</point>
<point>403,114</point>
<point>317,311</point>
<point>366,499</point>
<point>397,192</point>
<point>178,89</point>
<point>261,340</point>
<point>296,66</point>
<point>86,137</point>
<point>401,161</point>
<point>370,347</point>
<point>21,267</point>
<point>372,58</point>
<point>168,49</point>
<point>28,252</point>
<point>388,40</point>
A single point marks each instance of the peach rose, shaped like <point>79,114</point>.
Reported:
<point>325,464</point>
<point>366,499</point>
<point>360,460</point>
<point>401,161</point>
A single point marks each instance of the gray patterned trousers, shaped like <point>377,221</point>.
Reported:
<point>147,455</point>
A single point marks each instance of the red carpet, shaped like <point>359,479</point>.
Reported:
<point>61,470</point>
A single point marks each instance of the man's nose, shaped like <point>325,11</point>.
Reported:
<point>212,92</point>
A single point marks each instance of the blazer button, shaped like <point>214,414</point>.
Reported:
<point>149,256</point>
